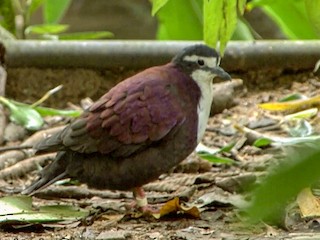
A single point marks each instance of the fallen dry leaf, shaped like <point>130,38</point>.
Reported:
<point>174,206</point>
<point>309,204</point>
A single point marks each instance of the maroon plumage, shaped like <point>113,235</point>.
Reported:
<point>138,130</point>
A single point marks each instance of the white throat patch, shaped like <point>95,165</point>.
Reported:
<point>204,81</point>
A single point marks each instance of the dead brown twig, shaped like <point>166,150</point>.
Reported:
<point>10,158</point>
<point>20,169</point>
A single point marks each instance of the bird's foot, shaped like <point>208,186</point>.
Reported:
<point>141,202</point>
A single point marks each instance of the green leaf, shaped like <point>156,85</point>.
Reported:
<point>7,16</point>
<point>212,20</point>
<point>229,23</point>
<point>54,10</point>
<point>44,111</point>
<point>18,209</point>
<point>242,6</point>
<point>47,29</point>
<point>227,148</point>
<point>86,35</point>
<point>220,21</point>
<point>242,31</point>
<point>298,170</point>
<point>291,97</point>
<point>313,12</point>
<point>180,20</point>
<point>23,115</point>
<point>157,5</point>
<point>262,142</point>
<point>291,16</point>
<point>216,159</point>
<point>35,4</point>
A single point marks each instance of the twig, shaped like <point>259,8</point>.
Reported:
<point>10,148</point>
<point>76,192</point>
<point>3,80</point>
<point>21,169</point>
<point>10,158</point>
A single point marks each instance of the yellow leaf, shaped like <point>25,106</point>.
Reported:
<point>309,205</point>
<point>174,206</point>
<point>295,105</point>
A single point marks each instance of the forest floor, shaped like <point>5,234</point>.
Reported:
<point>217,191</point>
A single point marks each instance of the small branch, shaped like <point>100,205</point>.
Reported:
<point>10,148</point>
<point>22,168</point>
<point>76,192</point>
<point>10,158</point>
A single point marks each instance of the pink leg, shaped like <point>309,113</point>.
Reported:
<point>142,202</point>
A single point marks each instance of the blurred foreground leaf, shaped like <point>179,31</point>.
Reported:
<point>297,171</point>
<point>18,210</point>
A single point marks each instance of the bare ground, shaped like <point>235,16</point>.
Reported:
<point>192,181</point>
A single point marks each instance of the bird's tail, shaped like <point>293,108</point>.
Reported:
<point>50,174</point>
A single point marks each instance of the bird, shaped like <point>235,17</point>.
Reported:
<point>141,128</point>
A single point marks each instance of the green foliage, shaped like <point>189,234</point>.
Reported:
<point>179,19</point>
<point>211,20</point>
<point>23,115</point>
<point>18,210</point>
<point>313,10</point>
<point>8,16</point>
<point>298,170</point>
<point>53,11</point>
<point>291,16</point>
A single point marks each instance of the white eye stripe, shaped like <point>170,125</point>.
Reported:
<point>209,61</point>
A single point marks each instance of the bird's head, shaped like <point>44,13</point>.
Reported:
<point>201,63</point>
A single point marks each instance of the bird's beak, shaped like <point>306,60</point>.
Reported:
<point>219,72</point>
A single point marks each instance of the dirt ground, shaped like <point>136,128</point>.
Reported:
<point>194,181</point>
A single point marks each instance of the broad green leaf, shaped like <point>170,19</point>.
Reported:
<point>180,20</point>
<point>44,111</point>
<point>241,6</point>
<point>216,159</point>
<point>157,5</point>
<point>229,23</point>
<point>47,29</point>
<point>23,115</point>
<point>85,35</point>
<point>7,16</point>
<point>18,209</point>
<point>291,16</point>
<point>15,205</point>
<point>54,10</point>
<point>298,170</point>
<point>212,21</point>
<point>262,142</point>
<point>220,21</point>
<point>313,12</point>
<point>242,31</point>
<point>34,5</point>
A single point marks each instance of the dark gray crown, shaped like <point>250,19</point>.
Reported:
<point>199,50</point>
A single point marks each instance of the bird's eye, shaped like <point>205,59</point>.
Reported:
<point>200,62</point>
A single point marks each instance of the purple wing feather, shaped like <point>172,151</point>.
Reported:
<point>135,113</point>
